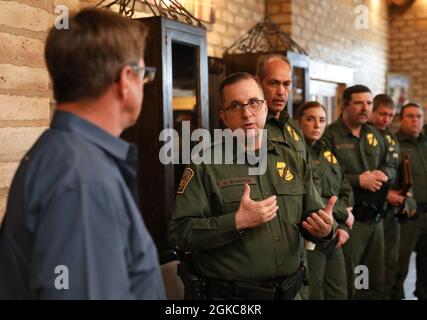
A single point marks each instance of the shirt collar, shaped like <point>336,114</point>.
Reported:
<point>346,131</point>
<point>283,117</point>
<point>271,147</point>
<point>342,127</point>
<point>406,137</point>
<point>70,122</point>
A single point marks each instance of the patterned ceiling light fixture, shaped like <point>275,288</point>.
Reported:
<point>171,9</point>
<point>265,36</point>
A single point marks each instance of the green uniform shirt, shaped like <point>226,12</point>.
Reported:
<point>204,218</point>
<point>287,129</point>
<point>417,149</point>
<point>332,180</point>
<point>394,150</point>
<point>357,155</point>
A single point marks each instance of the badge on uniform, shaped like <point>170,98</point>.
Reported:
<point>330,157</point>
<point>390,140</point>
<point>372,141</point>
<point>186,177</point>
<point>284,171</point>
<point>293,133</point>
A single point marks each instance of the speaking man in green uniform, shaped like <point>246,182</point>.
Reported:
<point>414,231</point>
<point>326,265</point>
<point>366,164</point>
<point>244,231</point>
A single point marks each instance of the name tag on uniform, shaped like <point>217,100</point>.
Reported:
<point>344,146</point>
<point>235,181</point>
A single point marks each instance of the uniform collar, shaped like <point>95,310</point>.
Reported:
<point>406,137</point>
<point>344,130</point>
<point>118,148</point>
<point>271,147</point>
<point>283,117</point>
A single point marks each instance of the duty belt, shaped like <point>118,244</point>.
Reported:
<point>365,212</point>
<point>281,289</point>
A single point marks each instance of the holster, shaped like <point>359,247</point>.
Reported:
<point>365,212</point>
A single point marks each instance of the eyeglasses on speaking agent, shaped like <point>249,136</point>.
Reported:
<point>252,105</point>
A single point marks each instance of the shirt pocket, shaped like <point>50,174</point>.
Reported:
<point>290,196</point>
<point>372,151</point>
<point>232,194</point>
<point>331,181</point>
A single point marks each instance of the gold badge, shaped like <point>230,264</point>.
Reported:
<point>284,172</point>
<point>372,141</point>
<point>292,132</point>
<point>186,177</point>
<point>330,157</point>
<point>390,140</point>
<point>280,167</point>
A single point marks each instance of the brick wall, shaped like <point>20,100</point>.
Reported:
<point>233,19</point>
<point>24,82</point>
<point>408,48</point>
<point>326,29</point>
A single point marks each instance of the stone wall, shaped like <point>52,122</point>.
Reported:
<point>329,31</point>
<point>24,82</point>
<point>408,48</point>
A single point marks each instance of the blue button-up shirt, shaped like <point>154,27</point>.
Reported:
<point>72,228</point>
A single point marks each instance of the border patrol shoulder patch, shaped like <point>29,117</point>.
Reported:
<point>186,177</point>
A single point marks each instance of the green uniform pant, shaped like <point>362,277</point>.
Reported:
<point>391,246</point>
<point>413,236</point>
<point>303,294</point>
<point>365,247</point>
<point>326,272</point>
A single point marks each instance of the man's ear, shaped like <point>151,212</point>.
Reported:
<point>124,81</point>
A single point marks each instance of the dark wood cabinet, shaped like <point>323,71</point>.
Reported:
<point>179,92</point>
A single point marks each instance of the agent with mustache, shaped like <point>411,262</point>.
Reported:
<point>326,266</point>
<point>275,74</point>
<point>367,165</point>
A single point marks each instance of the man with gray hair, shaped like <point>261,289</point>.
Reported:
<point>275,74</point>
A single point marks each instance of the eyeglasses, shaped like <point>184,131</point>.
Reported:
<point>147,73</point>
<point>253,105</point>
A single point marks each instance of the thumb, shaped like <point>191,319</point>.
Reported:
<point>246,192</point>
<point>330,206</point>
